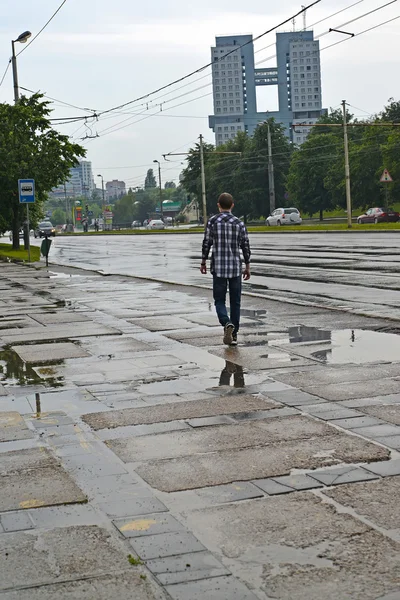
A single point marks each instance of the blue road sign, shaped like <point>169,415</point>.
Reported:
<point>26,189</point>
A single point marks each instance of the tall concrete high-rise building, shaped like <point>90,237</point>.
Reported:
<point>235,79</point>
<point>83,172</point>
<point>115,189</point>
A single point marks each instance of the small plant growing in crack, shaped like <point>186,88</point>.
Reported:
<point>134,561</point>
<point>143,576</point>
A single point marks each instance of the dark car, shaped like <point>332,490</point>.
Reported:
<point>379,215</point>
<point>45,228</point>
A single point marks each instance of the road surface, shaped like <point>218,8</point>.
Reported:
<point>357,272</point>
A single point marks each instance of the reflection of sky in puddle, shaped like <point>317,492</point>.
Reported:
<point>280,357</point>
<point>360,346</point>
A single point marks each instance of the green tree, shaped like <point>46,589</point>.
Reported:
<point>191,175</point>
<point>170,185</point>
<point>124,208</point>
<point>58,217</point>
<point>30,148</point>
<point>150,181</point>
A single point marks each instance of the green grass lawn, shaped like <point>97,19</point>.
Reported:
<point>6,251</point>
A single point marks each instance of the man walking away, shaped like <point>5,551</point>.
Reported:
<point>227,235</point>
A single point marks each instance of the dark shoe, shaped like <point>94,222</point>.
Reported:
<point>234,339</point>
<point>228,334</point>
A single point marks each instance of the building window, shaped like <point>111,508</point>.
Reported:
<point>237,87</point>
<point>297,105</point>
<point>225,110</point>
<point>223,73</point>
<point>295,69</point>
<point>232,128</point>
<point>315,60</point>
<point>230,101</point>
<point>231,109</point>
<point>303,103</point>
<point>217,95</point>
<point>217,103</point>
<point>219,128</point>
<point>294,53</point>
<point>236,79</point>
<point>218,110</point>
<point>224,102</point>
<point>226,128</point>
<point>226,136</point>
<point>316,97</point>
<point>223,88</point>
<point>224,95</point>
<point>308,68</point>
<point>230,80</point>
<point>237,101</point>
<point>302,76</point>
<point>217,88</point>
<point>230,94</point>
<point>230,87</point>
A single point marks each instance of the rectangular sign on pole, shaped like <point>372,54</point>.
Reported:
<point>26,188</point>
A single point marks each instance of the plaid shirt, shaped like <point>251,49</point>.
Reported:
<point>227,235</point>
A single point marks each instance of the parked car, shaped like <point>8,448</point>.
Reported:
<point>379,215</point>
<point>21,235</point>
<point>136,224</point>
<point>44,228</point>
<point>284,216</point>
<point>156,224</point>
<point>168,220</point>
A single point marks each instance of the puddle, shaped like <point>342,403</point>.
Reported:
<point>229,370</point>
<point>14,371</point>
<point>360,346</point>
<point>252,313</point>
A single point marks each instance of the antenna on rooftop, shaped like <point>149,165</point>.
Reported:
<point>304,18</point>
<point>294,23</point>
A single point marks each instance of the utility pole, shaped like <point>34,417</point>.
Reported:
<point>160,189</point>
<point>203,182</point>
<point>271,179</point>
<point>347,166</point>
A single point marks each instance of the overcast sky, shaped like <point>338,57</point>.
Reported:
<point>99,54</point>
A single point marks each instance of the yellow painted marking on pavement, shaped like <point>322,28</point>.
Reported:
<point>33,503</point>
<point>140,525</point>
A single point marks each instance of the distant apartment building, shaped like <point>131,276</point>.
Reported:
<point>115,189</point>
<point>84,173</point>
<point>235,79</point>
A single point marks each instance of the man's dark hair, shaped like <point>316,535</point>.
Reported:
<point>225,201</point>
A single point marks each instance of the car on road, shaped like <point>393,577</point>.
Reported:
<point>284,216</point>
<point>45,228</point>
<point>156,224</point>
<point>379,215</point>
<point>21,235</point>
<point>136,224</point>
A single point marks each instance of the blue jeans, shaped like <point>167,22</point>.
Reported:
<point>220,286</point>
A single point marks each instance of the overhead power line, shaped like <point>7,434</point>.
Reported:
<point>91,110</point>
<point>43,28</point>
<point>5,72</point>
<point>200,69</point>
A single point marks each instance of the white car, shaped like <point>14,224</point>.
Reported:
<point>284,216</point>
<point>156,224</point>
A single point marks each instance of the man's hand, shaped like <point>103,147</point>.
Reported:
<point>246,273</point>
<point>203,268</point>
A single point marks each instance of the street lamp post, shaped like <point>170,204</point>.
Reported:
<point>159,181</point>
<point>21,39</point>
<point>104,202</point>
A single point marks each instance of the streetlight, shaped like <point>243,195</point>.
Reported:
<point>159,181</point>
<point>104,203</point>
<point>21,39</point>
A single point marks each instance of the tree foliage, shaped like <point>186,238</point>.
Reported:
<point>30,149</point>
<point>150,181</point>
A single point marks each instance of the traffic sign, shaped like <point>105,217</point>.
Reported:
<point>386,177</point>
<point>26,189</point>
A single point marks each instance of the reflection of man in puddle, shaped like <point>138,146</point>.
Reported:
<point>227,235</point>
<point>229,370</point>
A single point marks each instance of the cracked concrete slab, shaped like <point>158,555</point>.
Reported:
<point>176,410</point>
<point>33,478</point>
<point>323,554</point>
<point>48,557</point>
<point>60,317</point>
<point>75,330</point>
<point>259,357</point>
<point>358,389</point>
<point>37,353</point>
<point>377,500</point>
<point>390,413</point>
<point>202,470</point>
<point>163,324</point>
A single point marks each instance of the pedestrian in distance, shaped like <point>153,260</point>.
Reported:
<point>227,235</point>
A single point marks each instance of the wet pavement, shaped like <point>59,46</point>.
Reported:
<point>139,456</point>
<point>358,272</point>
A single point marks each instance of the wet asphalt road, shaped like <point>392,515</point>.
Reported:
<point>357,272</point>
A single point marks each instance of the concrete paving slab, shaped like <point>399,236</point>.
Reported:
<point>285,556</point>
<point>59,317</point>
<point>294,397</point>
<point>357,422</point>
<point>286,411</point>
<point>379,431</point>
<point>163,324</point>
<point>186,567</point>
<point>139,430</point>
<point>333,415</point>
<point>331,374</point>
<point>38,353</point>
<point>233,492</point>
<point>374,401</point>
<point>342,475</point>
<point>392,441</point>
<point>378,500</point>
<point>358,389</point>
<point>214,439</point>
<point>218,588</point>
<point>102,588</point>
<point>272,487</point>
<point>16,521</point>
<point>36,334</point>
<point>132,507</point>
<point>176,410</point>
<point>166,544</point>
<point>386,468</point>
<point>202,470</point>
<point>148,525</point>
<point>32,478</point>
<point>298,482</point>
<point>64,553</point>
<point>13,427</point>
